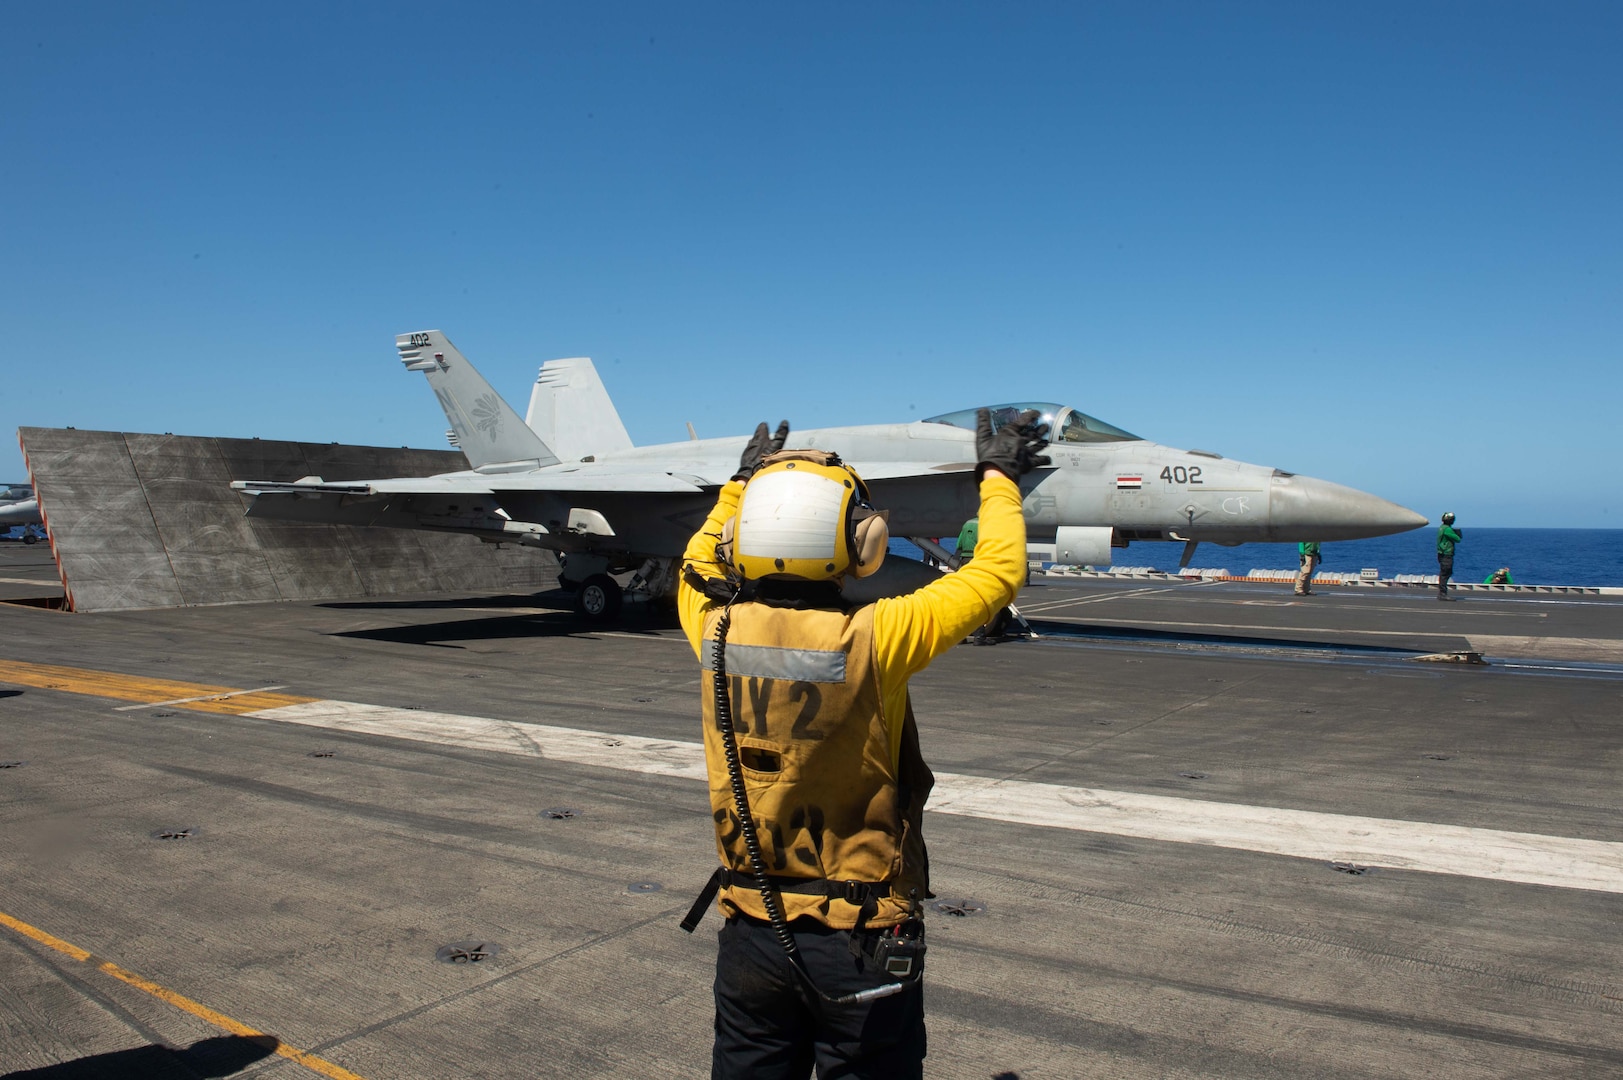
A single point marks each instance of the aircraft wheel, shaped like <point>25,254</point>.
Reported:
<point>598,599</point>
<point>30,539</point>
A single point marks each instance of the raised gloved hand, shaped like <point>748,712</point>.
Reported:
<point>760,445</point>
<point>1012,449</point>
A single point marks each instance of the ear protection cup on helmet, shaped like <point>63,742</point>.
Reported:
<point>724,546</point>
<point>870,541</point>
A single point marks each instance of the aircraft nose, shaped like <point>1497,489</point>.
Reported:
<point>1308,508</point>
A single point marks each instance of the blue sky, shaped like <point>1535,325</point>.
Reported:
<point>1378,243</point>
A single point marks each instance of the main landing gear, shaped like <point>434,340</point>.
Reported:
<point>598,599</point>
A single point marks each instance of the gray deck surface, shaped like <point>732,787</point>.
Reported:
<point>312,901</point>
<point>27,572</point>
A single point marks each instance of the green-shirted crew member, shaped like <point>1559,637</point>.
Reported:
<point>1307,555</point>
<point>819,959</point>
<point>965,547</point>
<point>1447,537</point>
<point>1500,576</point>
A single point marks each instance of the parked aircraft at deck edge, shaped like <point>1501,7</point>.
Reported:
<point>18,506</point>
<point>568,478</point>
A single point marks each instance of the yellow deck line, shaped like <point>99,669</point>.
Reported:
<point>180,1001</point>
<point>197,696</point>
<point>200,697</point>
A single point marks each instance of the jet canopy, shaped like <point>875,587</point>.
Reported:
<point>16,492</point>
<point>1065,424</point>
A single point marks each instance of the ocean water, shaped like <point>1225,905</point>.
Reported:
<point>1535,556</point>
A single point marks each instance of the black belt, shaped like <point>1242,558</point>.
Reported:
<point>864,894</point>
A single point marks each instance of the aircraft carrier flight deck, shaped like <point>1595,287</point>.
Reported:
<point>1193,830</point>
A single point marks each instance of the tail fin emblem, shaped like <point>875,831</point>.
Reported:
<point>487,415</point>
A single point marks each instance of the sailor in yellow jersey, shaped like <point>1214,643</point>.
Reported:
<point>809,730</point>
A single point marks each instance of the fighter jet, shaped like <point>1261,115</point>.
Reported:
<point>568,478</point>
<point>18,506</point>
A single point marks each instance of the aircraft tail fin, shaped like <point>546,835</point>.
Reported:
<point>487,429</point>
<point>570,410</point>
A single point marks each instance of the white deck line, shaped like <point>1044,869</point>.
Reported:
<point>1492,854</point>
<point>223,695</point>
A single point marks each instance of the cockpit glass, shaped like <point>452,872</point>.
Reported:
<point>17,491</point>
<point>1079,427</point>
<point>1066,425</point>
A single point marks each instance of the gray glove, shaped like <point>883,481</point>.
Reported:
<point>1012,449</point>
<point>760,445</point>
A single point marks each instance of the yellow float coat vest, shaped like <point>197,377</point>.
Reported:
<point>817,763</point>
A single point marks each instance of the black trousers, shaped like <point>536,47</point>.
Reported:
<point>770,1026</point>
<point>1445,570</point>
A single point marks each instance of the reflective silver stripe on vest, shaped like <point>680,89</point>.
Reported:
<point>772,662</point>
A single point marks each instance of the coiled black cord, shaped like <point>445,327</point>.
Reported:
<point>735,778</point>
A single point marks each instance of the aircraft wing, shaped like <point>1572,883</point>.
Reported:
<point>561,510</point>
<point>476,484</point>
<point>607,478</point>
